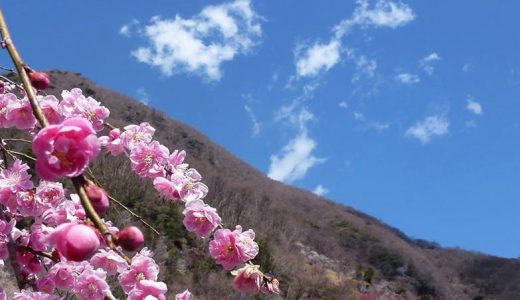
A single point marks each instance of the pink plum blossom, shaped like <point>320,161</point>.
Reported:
<point>50,193</point>
<point>46,284</point>
<point>75,104</point>
<point>148,289</point>
<point>230,248</point>
<point>175,161</point>
<point>6,101</point>
<point>169,186</point>
<point>184,185</point>
<point>112,142</point>
<point>148,159</point>
<point>16,178</point>
<point>109,261</point>
<point>65,149</point>
<point>137,134</point>
<point>200,218</point>
<point>92,285</point>
<point>29,204</point>
<point>193,189</point>
<point>39,236</point>
<point>64,274</point>
<point>186,295</point>
<point>143,267</point>
<point>51,110</point>
<point>248,279</point>
<point>20,114</point>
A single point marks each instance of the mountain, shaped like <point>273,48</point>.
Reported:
<point>317,248</point>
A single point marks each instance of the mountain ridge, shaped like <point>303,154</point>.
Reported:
<point>320,249</point>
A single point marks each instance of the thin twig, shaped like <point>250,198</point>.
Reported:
<point>17,140</point>
<point>138,217</point>
<point>21,154</point>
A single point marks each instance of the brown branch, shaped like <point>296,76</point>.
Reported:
<point>11,250</point>
<point>20,68</point>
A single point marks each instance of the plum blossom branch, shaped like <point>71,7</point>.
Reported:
<point>78,181</point>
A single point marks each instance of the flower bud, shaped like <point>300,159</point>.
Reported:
<point>77,242</point>
<point>40,80</point>
<point>130,238</point>
<point>98,198</point>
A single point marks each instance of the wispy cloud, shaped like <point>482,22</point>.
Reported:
<point>142,96</point>
<point>130,28</point>
<point>408,78</point>
<point>320,190</point>
<point>384,13</point>
<point>343,104</point>
<point>316,58</point>
<point>370,124</point>
<point>256,124</point>
<point>202,43</point>
<point>473,106</point>
<point>365,67</point>
<point>466,68</point>
<point>432,126</point>
<point>296,158</point>
<point>428,62</point>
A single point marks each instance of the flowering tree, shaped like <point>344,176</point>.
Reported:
<point>57,242</point>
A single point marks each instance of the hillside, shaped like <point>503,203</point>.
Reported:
<point>319,249</point>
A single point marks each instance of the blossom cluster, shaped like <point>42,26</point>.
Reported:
<point>63,251</point>
<point>176,181</point>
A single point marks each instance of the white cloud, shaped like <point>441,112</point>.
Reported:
<point>202,43</point>
<point>427,62</point>
<point>256,124</point>
<point>359,116</point>
<point>474,106</point>
<point>408,78</point>
<point>317,58</point>
<point>320,190</point>
<point>142,96</point>
<point>314,59</point>
<point>369,124</point>
<point>343,104</point>
<point>431,126</point>
<point>128,29</point>
<point>364,66</point>
<point>295,159</point>
<point>384,14</point>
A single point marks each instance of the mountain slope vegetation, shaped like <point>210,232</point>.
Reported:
<point>318,249</point>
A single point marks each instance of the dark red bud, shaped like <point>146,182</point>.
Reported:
<point>40,80</point>
<point>98,198</point>
<point>130,238</point>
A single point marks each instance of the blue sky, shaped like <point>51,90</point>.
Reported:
<point>407,111</point>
